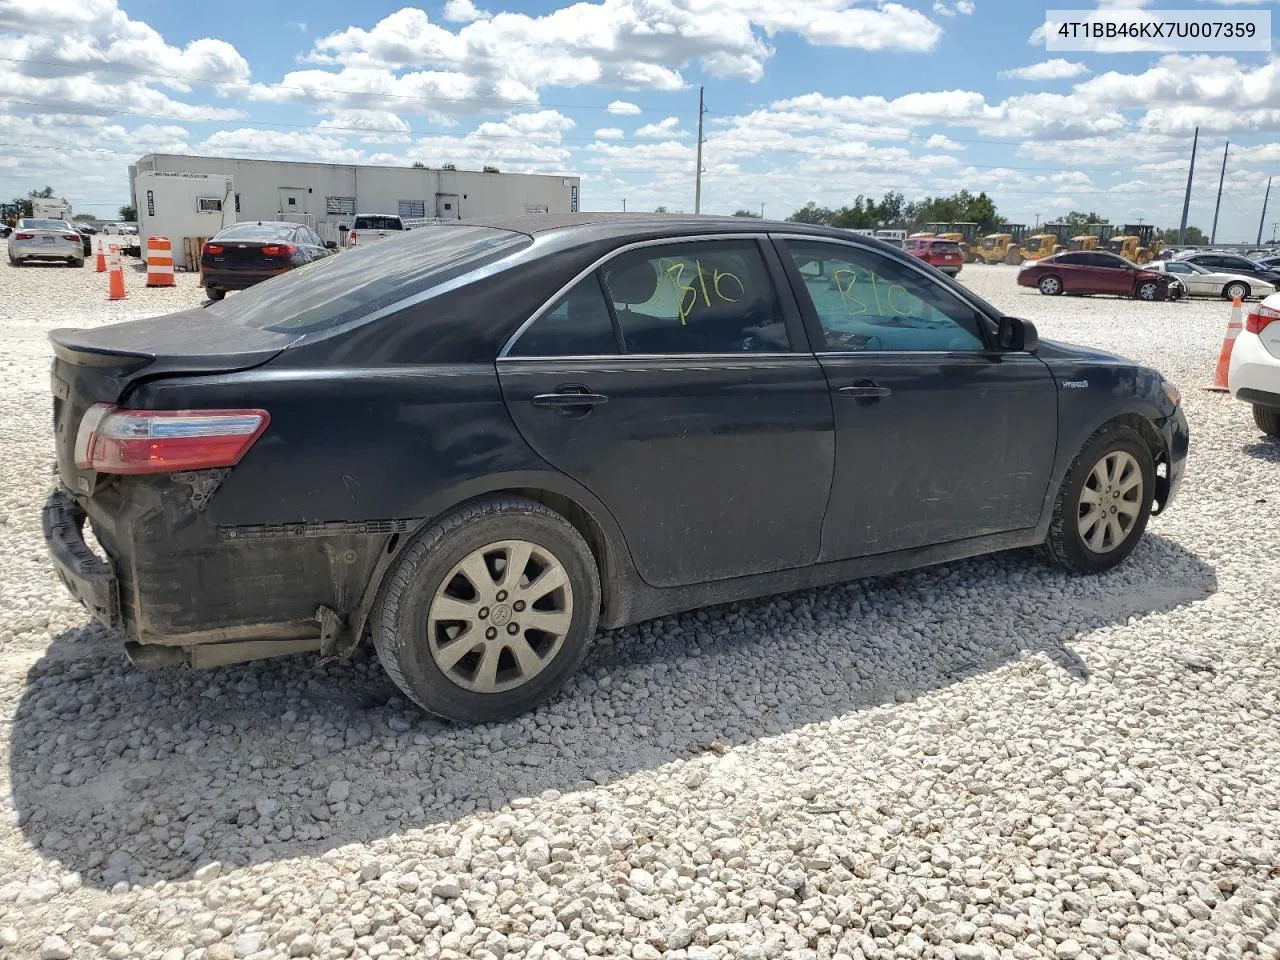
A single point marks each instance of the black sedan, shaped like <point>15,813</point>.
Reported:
<point>248,253</point>
<point>479,443</point>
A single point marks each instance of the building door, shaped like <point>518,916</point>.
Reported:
<point>293,203</point>
<point>447,206</point>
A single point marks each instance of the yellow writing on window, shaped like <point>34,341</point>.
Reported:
<point>703,286</point>
<point>891,299</point>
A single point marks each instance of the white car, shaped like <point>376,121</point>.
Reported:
<point>1254,373</point>
<point>35,238</point>
<point>1203,282</point>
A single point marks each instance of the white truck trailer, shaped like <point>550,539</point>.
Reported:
<point>185,207</point>
<point>50,208</point>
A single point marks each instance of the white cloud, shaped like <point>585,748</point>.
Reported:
<point>623,109</point>
<point>609,133</point>
<point>464,11</point>
<point>944,9</point>
<point>1055,69</point>
<point>939,142</point>
<point>670,127</point>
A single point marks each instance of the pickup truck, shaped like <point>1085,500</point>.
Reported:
<point>371,227</point>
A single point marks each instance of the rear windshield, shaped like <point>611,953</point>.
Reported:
<point>944,246</point>
<point>45,224</point>
<point>255,231</point>
<point>378,223</point>
<point>336,290</point>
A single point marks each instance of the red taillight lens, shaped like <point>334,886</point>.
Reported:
<point>72,236</point>
<point>213,248</point>
<point>278,250</point>
<point>351,237</point>
<point>23,236</point>
<point>1260,317</point>
<point>111,440</point>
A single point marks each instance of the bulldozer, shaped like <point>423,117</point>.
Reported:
<point>1137,243</point>
<point>1003,246</point>
<point>1094,237</point>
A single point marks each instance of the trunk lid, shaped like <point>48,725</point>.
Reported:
<point>102,364</point>
<point>245,255</point>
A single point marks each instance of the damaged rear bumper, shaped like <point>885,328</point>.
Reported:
<point>88,577</point>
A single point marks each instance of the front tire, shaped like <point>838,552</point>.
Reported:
<point>1148,290</point>
<point>1236,289</point>
<point>489,611</point>
<point>1268,420</point>
<point>1104,502</point>
<point>214,294</point>
<point>1050,286</point>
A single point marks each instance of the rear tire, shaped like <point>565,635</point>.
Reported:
<point>1236,289</point>
<point>1268,420</point>
<point>214,293</point>
<point>1099,486</point>
<point>1050,286</point>
<point>454,577</point>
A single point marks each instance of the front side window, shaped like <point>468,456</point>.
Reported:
<point>576,325</point>
<point>711,296</point>
<point>868,302</point>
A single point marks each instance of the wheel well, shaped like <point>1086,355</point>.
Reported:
<point>1159,455</point>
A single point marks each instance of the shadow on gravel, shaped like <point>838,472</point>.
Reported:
<point>1268,450</point>
<point>130,775</point>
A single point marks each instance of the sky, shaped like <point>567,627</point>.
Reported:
<point>815,101</point>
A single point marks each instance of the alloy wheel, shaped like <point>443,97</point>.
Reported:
<point>500,616</point>
<point>1110,502</point>
<point>1147,291</point>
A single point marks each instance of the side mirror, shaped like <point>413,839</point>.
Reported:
<point>331,244</point>
<point>1017,336</point>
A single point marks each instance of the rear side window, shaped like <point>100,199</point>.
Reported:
<point>701,297</point>
<point>378,223</point>
<point>331,291</point>
<point>576,325</point>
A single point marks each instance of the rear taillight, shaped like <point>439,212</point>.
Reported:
<point>23,236</point>
<point>351,237</point>
<point>278,250</point>
<point>111,440</point>
<point>71,236</point>
<point>1260,317</point>
<point>213,249</point>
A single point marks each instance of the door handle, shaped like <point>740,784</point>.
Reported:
<point>569,400</point>
<point>865,390</point>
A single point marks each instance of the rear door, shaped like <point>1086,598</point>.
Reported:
<point>1070,269</point>
<point>676,385</point>
<point>938,437</point>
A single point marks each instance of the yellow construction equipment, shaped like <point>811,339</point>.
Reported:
<point>1135,243</point>
<point>1004,246</point>
<point>1041,245</point>
<point>1094,236</point>
<point>963,232</point>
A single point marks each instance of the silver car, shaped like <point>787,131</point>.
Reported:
<point>34,239</point>
<point>1203,282</point>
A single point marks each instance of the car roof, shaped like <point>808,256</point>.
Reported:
<point>623,225</point>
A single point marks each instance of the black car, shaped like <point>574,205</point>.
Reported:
<point>1233,263</point>
<point>483,441</point>
<point>248,253</point>
<point>87,234</point>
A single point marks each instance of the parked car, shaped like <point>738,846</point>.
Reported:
<point>37,239</point>
<point>368,228</point>
<point>946,255</point>
<point>243,254</point>
<point>1231,263</point>
<point>1268,262</point>
<point>1202,282</point>
<point>1254,372</point>
<point>87,234</point>
<point>1097,271</point>
<point>484,442</point>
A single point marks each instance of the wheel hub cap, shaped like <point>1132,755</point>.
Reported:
<point>1110,502</point>
<point>500,616</point>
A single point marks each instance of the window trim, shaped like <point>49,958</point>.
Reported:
<point>790,315</point>
<point>813,324</point>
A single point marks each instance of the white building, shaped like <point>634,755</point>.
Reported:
<point>325,195</point>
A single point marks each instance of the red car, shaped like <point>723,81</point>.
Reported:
<point>946,255</point>
<point>1096,271</point>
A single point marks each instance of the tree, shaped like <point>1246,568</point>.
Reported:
<point>45,194</point>
<point>20,207</point>
<point>812,213</point>
<point>84,216</point>
<point>659,209</point>
<point>746,213</point>
<point>418,165</point>
<point>1078,218</point>
<point>490,169</point>
<point>128,214</point>
<point>448,166</point>
<point>1194,235</point>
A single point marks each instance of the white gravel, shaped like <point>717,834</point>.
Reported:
<point>985,760</point>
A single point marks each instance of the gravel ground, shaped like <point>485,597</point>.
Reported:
<point>989,759</point>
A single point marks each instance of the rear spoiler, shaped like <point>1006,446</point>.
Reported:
<point>68,346</point>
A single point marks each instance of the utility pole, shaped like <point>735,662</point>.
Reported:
<point>624,204</point>
<point>1037,224</point>
<point>1263,218</point>
<point>1186,200</point>
<point>1213,233</point>
<point>762,211</point>
<point>697,189</point>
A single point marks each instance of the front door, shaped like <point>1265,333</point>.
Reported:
<point>1113,272</point>
<point>675,385</point>
<point>938,437</point>
<point>293,203</point>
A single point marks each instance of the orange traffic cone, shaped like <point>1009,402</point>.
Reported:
<point>115,284</point>
<point>100,249</point>
<point>1234,326</point>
